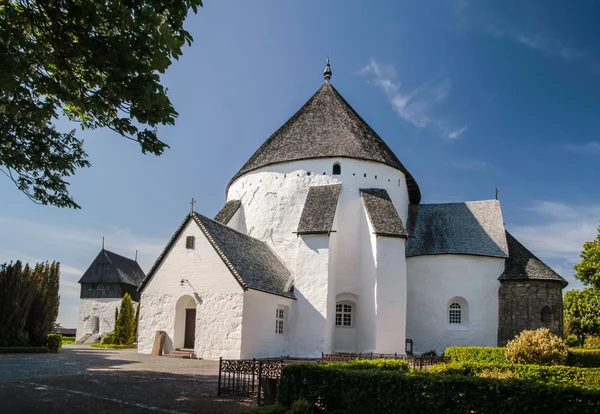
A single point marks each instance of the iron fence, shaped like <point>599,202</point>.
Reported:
<point>259,378</point>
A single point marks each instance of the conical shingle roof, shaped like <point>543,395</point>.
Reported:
<point>325,127</point>
<point>109,267</point>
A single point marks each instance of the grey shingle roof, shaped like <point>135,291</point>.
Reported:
<point>109,267</point>
<point>474,228</point>
<point>327,126</point>
<point>228,211</point>
<point>382,213</point>
<point>251,261</point>
<point>524,265</point>
<point>319,209</point>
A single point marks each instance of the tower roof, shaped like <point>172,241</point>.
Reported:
<point>109,267</point>
<point>326,127</point>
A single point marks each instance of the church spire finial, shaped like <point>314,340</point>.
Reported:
<point>327,72</point>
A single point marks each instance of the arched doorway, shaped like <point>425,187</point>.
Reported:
<point>185,323</point>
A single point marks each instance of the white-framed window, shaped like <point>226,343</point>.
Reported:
<point>455,313</point>
<point>343,314</point>
<point>279,320</point>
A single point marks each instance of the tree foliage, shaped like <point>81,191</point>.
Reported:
<point>124,331</point>
<point>582,313</point>
<point>588,269</point>
<point>96,63</point>
<point>137,322</point>
<point>44,307</point>
<point>28,302</point>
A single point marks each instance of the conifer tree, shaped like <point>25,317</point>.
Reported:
<point>44,307</point>
<point>125,322</point>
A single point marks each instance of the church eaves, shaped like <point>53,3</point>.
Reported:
<point>382,213</point>
<point>228,211</point>
<point>319,209</point>
<point>327,127</point>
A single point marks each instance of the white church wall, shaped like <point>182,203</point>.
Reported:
<point>391,295</point>
<point>433,281</point>
<point>259,337</point>
<point>310,332</point>
<point>103,309</point>
<point>273,196</point>
<point>366,340</point>
<point>238,221</point>
<point>219,299</point>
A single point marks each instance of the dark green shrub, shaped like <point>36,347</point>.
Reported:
<point>54,342</point>
<point>24,350</point>
<point>378,364</point>
<point>68,340</point>
<point>571,341</point>
<point>555,375</point>
<point>586,358</point>
<point>301,407</point>
<point>476,354</point>
<point>108,338</point>
<point>373,391</point>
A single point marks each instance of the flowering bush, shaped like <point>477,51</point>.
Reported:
<point>540,347</point>
<point>593,342</point>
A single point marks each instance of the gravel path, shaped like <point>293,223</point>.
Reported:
<point>85,379</point>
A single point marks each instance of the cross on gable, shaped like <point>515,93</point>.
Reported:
<point>192,205</point>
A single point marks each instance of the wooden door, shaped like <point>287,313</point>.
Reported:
<point>190,328</point>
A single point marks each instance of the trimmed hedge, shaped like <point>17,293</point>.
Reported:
<point>68,340</point>
<point>374,391</point>
<point>555,375</point>
<point>482,354</point>
<point>54,342</point>
<point>24,350</point>
<point>112,346</point>
<point>397,365</point>
<point>585,358</point>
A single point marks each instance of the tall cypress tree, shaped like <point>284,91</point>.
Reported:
<point>16,296</point>
<point>137,322</point>
<point>125,322</point>
<point>44,308</point>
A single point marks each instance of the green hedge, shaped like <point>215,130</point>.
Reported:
<point>397,365</point>
<point>68,340</point>
<point>586,358</point>
<point>555,375</point>
<point>481,354</point>
<point>54,342</point>
<point>374,391</point>
<point>24,350</point>
<point>112,346</point>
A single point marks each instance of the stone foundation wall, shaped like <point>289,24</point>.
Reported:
<point>521,304</point>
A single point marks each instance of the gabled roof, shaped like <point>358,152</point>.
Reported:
<point>319,209</point>
<point>252,262</point>
<point>325,127</point>
<point>382,213</point>
<point>524,265</point>
<point>109,267</point>
<point>473,228</point>
<point>228,211</point>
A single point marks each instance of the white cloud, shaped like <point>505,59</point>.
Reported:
<point>457,133</point>
<point>592,147</point>
<point>545,43</point>
<point>417,105</point>
<point>558,234</point>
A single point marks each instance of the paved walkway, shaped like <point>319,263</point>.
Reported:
<point>84,379</point>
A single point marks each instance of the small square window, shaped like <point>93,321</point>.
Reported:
<point>190,242</point>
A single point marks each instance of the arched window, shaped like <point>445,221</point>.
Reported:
<point>547,315</point>
<point>337,168</point>
<point>343,314</point>
<point>454,313</point>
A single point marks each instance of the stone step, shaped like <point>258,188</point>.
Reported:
<point>181,353</point>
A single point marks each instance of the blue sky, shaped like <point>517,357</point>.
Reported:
<point>470,95</point>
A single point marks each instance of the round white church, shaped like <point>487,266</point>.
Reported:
<point>323,246</point>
